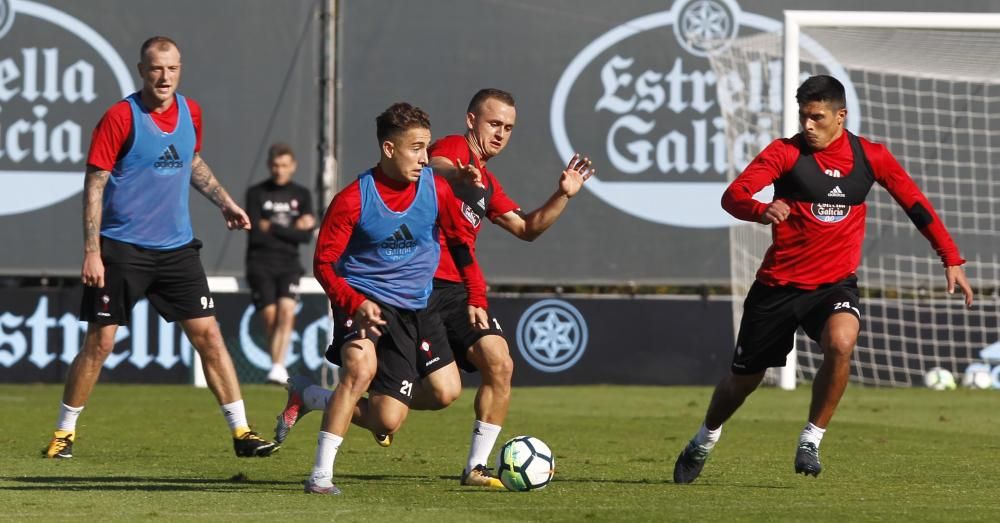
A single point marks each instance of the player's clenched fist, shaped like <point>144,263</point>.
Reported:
<point>776,213</point>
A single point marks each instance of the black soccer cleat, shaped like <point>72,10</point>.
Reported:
<point>807,459</point>
<point>690,463</point>
<point>250,444</point>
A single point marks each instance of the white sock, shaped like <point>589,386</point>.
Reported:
<point>812,434</point>
<point>236,415</point>
<point>707,438</point>
<point>316,397</point>
<point>67,417</point>
<point>326,453</point>
<point>484,436</point>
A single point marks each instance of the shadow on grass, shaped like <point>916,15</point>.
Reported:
<point>237,484</point>
<point>128,483</point>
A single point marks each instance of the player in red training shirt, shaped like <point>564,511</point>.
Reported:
<point>375,256</point>
<point>474,337</point>
<point>821,178</point>
<point>490,120</point>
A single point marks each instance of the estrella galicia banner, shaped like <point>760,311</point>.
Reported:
<point>40,334</point>
<point>627,83</point>
<point>552,340</point>
<point>64,63</point>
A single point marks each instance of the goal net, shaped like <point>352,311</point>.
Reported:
<point>931,95</point>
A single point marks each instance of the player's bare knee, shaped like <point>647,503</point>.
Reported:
<point>101,347</point>
<point>742,383</point>
<point>358,378</point>
<point>446,396</point>
<point>206,340</point>
<point>99,341</point>
<point>499,371</point>
<point>390,423</point>
<point>492,356</point>
<point>839,346</point>
<point>358,374</point>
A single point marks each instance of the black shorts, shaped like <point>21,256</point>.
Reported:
<point>771,316</point>
<point>174,281</point>
<point>409,348</point>
<point>450,301</point>
<point>268,282</point>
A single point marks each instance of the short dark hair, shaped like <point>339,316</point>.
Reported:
<point>485,94</point>
<point>279,149</point>
<point>822,88</point>
<point>398,118</point>
<point>162,43</point>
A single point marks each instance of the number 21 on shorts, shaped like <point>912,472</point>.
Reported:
<point>406,389</point>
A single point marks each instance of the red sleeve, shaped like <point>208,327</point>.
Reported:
<point>109,135</point>
<point>889,174</point>
<point>195,109</point>
<point>499,203</point>
<point>338,224</point>
<point>453,147</point>
<point>450,219</point>
<point>738,199</point>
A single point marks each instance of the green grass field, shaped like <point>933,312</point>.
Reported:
<point>163,452</point>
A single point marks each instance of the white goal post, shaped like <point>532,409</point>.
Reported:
<point>927,85</point>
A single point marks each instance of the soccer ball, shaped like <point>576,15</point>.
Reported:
<point>977,376</point>
<point>939,379</point>
<point>525,463</point>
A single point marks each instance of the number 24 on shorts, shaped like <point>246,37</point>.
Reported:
<point>846,306</point>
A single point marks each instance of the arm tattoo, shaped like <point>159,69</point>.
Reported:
<point>93,206</point>
<point>204,181</point>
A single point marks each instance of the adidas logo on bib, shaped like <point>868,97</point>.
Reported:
<point>169,159</point>
<point>836,193</point>
<point>400,245</point>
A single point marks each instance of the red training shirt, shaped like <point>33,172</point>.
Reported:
<point>344,213</point>
<point>113,130</point>
<point>805,251</point>
<point>455,148</point>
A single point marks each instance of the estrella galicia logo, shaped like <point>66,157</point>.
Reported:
<point>471,215</point>
<point>552,335</point>
<point>400,246</point>
<point>50,96</point>
<point>644,100</point>
<point>6,17</point>
<point>830,212</point>
<point>169,159</point>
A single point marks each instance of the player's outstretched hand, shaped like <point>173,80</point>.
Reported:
<point>368,318</point>
<point>478,318</point>
<point>776,213</point>
<point>577,171</point>
<point>468,173</point>
<point>236,218</point>
<point>956,275</point>
<point>92,273</point>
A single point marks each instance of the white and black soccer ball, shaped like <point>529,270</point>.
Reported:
<point>525,463</point>
<point>977,376</point>
<point>938,378</point>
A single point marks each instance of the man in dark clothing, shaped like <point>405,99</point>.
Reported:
<point>282,217</point>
